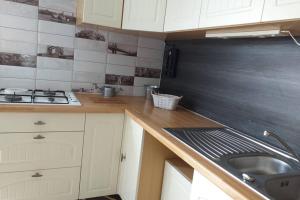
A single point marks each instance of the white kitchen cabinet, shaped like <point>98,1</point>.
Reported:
<point>100,12</point>
<point>41,122</point>
<point>144,15</point>
<point>31,151</point>
<point>54,184</point>
<point>182,15</point>
<point>101,154</point>
<point>275,10</point>
<point>219,13</point>
<point>203,189</point>
<point>176,184</point>
<point>131,160</point>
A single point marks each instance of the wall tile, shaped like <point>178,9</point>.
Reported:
<point>84,66</point>
<point>56,28</point>
<point>119,80</point>
<point>18,9</point>
<point>123,39</point>
<point>121,60</point>
<point>120,70</point>
<point>91,45</point>
<point>149,62</point>
<point>54,75</point>
<point>18,35</point>
<point>138,81</point>
<point>53,85</point>
<point>122,49</point>
<point>90,77</point>
<point>147,72</point>
<point>123,89</point>
<point>61,5</point>
<point>17,83</point>
<point>56,40</point>
<point>17,22</point>
<point>138,91</point>
<point>150,53</point>
<point>151,43</point>
<point>54,63</point>
<point>29,2</point>
<point>18,47</point>
<point>91,33</point>
<point>91,56</point>
<point>17,60</point>
<point>79,85</point>
<point>16,72</point>
<point>55,52</point>
<point>57,16</point>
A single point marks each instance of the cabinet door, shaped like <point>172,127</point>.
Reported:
<point>131,160</point>
<point>203,189</point>
<point>144,15</point>
<point>182,15</point>
<point>281,10</point>
<point>31,151</point>
<point>230,12</point>
<point>175,185</point>
<point>101,154</point>
<point>101,12</point>
<point>56,184</point>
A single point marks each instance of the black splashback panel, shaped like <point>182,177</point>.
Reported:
<point>251,85</point>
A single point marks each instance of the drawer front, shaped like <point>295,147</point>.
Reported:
<point>57,184</point>
<point>39,122</point>
<point>30,151</point>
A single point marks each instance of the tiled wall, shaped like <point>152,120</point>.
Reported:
<point>42,48</point>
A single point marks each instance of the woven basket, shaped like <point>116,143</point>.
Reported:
<point>165,101</point>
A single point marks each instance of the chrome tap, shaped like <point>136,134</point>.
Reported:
<point>283,143</point>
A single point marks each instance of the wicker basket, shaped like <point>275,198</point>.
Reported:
<point>165,101</point>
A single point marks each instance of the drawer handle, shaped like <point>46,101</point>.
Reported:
<point>123,157</point>
<point>37,175</point>
<point>39,137</point>
<point>39,123</point>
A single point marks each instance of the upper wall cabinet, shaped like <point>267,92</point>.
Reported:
<point>144,15</point>
<point>216,13</point>
<point>281,10</point>
<point>100,12</point>
<point>182,15</point>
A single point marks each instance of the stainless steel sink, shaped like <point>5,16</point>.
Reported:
<point>259,165</point>
<point>286,188</point>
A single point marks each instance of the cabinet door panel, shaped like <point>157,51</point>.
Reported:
<point>275,10</point>
<point>101,154</point>
<point>30,151</point>
<point>130,167</point>
<point>56,184</point>
<point>227,12</point>
<point>101,12</point>
<point>182,15</point>
<point>144,15</point>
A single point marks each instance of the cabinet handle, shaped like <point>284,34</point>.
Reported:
<point>37,175</point>
<point>39,123</point>
<point>39,137</point>
<point>123,157</point>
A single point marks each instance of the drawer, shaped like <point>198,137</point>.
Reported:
<point>39,122</point>
<point>56,184</point>
<point>30,151</point>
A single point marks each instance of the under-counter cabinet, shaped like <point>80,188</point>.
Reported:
<point>100,12</point>
<point>177,180</point>
<point>144,15</point>
<point>276,10</point>
<point>101,154</point>
<point>203,189</point>
<point>52,184</point>
<point>219,13</point>
<point>182,15</point>
<point>130,160</point>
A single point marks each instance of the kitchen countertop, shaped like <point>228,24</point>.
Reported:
<point>153,120</point>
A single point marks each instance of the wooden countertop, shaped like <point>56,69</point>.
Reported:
<point>153,120</point>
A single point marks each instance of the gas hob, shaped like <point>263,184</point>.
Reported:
<point>39,97</point>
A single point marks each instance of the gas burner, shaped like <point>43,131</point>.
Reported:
<point>13,98</point>
<point>49,93</point>
<point>51,99</point>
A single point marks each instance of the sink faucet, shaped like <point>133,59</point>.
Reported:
<point>281,141</point>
